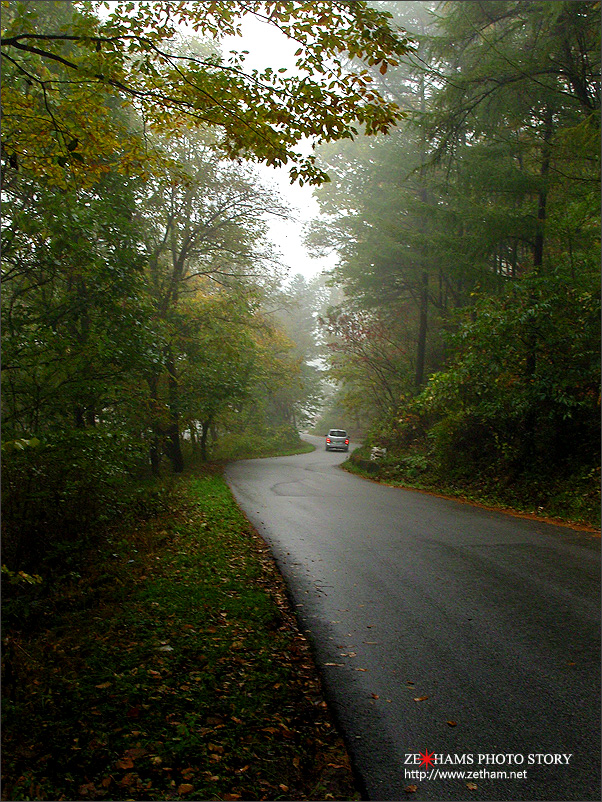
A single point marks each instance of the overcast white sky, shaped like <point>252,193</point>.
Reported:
<point>269,48</point>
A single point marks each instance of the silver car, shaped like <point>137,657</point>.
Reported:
<point>337,440</point>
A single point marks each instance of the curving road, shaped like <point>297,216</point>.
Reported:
<point>439,627</point>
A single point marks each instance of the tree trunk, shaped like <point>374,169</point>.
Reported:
<point>538,257</point>
<point>193,438</point>
<point>78,414</point>
<point>173,430</point>
<point>205,425</point>
<point>155,444</point>
<point>542,196</point>
<point>422,330</point>
<point>155,455</point>
<point>423,291</point>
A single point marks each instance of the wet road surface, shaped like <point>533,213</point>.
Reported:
<point>439,627</point>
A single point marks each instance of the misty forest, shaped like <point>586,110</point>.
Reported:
<point>151,329</point>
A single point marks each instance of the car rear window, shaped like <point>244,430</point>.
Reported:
<point>337,433</point>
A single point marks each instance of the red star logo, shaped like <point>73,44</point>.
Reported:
<point>427,760</point>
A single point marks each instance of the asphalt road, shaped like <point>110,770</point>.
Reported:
<point>439,627</point>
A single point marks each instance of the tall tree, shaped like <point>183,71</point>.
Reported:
<point>518,118</point>
<point>204,220</point>
<point>301,302</point>
<point>511,183</point>
<point>379,209</point>
<point>75,325</point>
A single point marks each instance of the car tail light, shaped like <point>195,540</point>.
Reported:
<point>328,439</point>
<point>347,442</point>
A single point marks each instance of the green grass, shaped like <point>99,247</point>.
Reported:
<point>169,667</point>
<point>256,447</point>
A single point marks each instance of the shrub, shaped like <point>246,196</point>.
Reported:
<point>56,491</point>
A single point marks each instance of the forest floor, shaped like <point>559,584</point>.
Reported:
<point>169,666</point>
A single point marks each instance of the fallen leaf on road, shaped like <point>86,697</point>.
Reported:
<point>375,696</point>
<point>104,685</point>
<point>452,723</point>
<point>420,698</point>
<point>334,664</point>
<point>472,786</point>
<point>185,788</point>
<point>361,669</point>
<point>411,789</point>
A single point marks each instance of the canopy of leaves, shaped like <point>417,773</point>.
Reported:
<point>59,57</point>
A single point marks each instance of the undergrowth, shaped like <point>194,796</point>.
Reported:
<point>167,666</point>
<point>574,499</point>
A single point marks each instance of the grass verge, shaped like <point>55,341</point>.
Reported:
<point>169,666</point>
<point>575,502</point>
<point>250,447</point>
